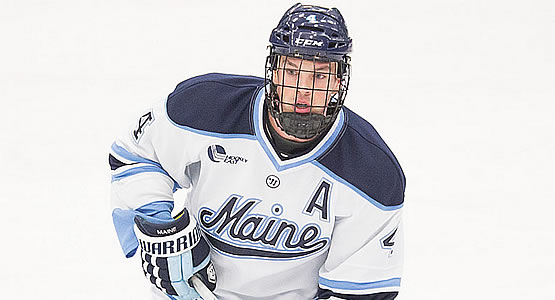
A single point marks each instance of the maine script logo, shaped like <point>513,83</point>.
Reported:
<point>234,230</point>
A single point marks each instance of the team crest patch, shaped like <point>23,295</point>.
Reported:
<point>217,154</point>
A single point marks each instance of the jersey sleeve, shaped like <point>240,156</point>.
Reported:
<point>366,250</point>
<point>161,150</point>
<point>143,180</point>
<point>365,256</point>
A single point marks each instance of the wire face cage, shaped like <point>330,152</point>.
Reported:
<point>304,93</point>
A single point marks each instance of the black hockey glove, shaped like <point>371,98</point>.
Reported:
<point>172,253</point>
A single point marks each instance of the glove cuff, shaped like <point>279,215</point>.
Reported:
<point>169,239</point>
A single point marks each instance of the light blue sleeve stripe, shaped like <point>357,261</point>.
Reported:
<point>143,169</point>
<point>346,285</point>
<point>132,157</point>
<point>155,166</point>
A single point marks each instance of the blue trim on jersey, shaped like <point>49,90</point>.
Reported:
<point>155,166</point>
<point>143,169</point>
<point>355,189</point>
<point>208,133</point>
<point>259,136</point>
<point>132,157</point>
<point>347,285</point>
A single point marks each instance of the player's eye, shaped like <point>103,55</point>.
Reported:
<point>321,75</point>
<point>291,71</point>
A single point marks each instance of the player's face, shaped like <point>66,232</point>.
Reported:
<point>305,86</point>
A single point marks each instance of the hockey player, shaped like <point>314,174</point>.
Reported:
<point>292,195</point>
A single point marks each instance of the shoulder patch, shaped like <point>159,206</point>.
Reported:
<point>144,121</point>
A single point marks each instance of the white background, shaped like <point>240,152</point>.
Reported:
<point>462,91</point>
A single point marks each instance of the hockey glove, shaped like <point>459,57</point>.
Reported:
<point>172,253</point>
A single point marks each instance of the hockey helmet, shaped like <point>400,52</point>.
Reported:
<point>313,36</point>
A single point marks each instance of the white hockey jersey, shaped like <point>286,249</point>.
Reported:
<point>327,223</point>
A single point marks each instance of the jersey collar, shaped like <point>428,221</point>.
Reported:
<point>279,164</point>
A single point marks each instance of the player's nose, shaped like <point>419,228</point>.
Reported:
<point>306,84</point>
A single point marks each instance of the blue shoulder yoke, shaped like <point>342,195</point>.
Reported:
<point>221,103</point>
<point>362,158</point>
<point>217,103</point>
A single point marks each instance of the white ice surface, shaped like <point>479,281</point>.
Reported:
<point>462,91</point>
